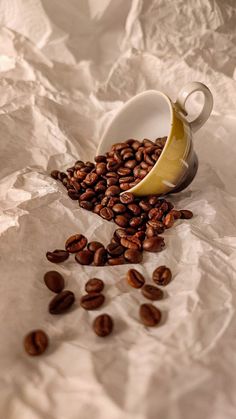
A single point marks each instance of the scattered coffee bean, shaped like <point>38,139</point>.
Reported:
<point>54,281</point>
<point>115,249</point>
<point>57,256</point>
<point>186,214</point>
<point>135,279</point>
<point>151,292</point>
<point>162,275</point>
<point>75,243</point>
<point>127,198</point>
<point>153,244</point>
<point>103,325</point>
<point>61,302</point>
<point>100,257</point>
<point>84,257</point>
<point>54,174</point>
<point>107,213</point>
<point>169,220</point>
<point>92,301</point>
<point>93,246</point>
<point>121,221</point>
<point>94,285</point>
<point>150,315</point>
<point>36,342</point>
<point>116,261</point>
<point>133,256</point>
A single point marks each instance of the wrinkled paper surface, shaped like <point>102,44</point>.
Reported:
<point>66,67</point>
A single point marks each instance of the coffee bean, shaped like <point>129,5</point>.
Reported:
<point>133,256</point>
<point>97,208</point>
<point>151,292</point>
<point>126,179</point>
<point>91,178</point>
<point>103,325</point>
<point>93,246</point>
<point>57,256</point>
<point>164,207</point>
<point>124,171</point>
<point>114,249</point>
<point>162,275</point>
<point>158,226</point>
<point>135,222</point>
<point>135,279</point>
<point>111,181</point>
<point>100,159</point>
<point>116,261</point>
<point>119,208</point>
<point>176,214</point>
<point>73,194</point>
<point>153,244</point>
<point>121,221</point>
<point>94,285</point>
<point>88,205</point>
<point>145,205</point>
<point>92,301</point>
<point>54,174</point>
<point>127,198</point>
<point>61,302</point>
<point>125,186</point>
<point>155,213</point>
<point>75,184</point>
<point>149,315</point>
<point>119,146</point>
<point>100,257</point>
<point>61,176</point>
<point>112,190</point>
<point>169,220</point>
<point>112,202</point>
<point>84,257</point>
<point>87,195</point>
<point>107,213</point>
<point>36,342</point>
<point>152,199</point>
<point>80,175</point>
<point>100,186</point>
<point>75,243</point>
<point>54,281</point>
<point>130,242</point>
<point>186,214</point>
<point>135,209</point>
<point>112,174</point>
<point>101,168</point>
<point>135,145</point>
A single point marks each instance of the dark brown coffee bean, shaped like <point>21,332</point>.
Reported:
<point>112,174</point>
<point>126,179</point>
<point>135,145</point>
<point>84,257</point>
<point>169,220</point>
<point>139,154</point>
<point>61,176</point>
<point>152,199</point>
<point>113,201</point>
<point>54,174</point>
<point>36,342</point>
<point>57,256</point>
<point>115,249</point>
<point>133,256</point>
<point>100,159</point>
<point>75,184</point>
<point>112,190</point>
<point>90,164</point>
<point>93,246</point>
<point>88,205</point>
<point>127,198</point>
<point>131,242</point>
<point>107,213</point>
<point>92,301</point>
<point>87,195</point>
<point>124,171</point>
<point>61,302</point>
<point>145,205</point>
<point>73,194</point>
<point>149,315</point>
<point>111,181</point>
<point>103,325</point>
<point>100,257</point>
<point>101,168</point>
<point>152,293</point>
<point>125,150</point>
<point>116,261</point>
<point>100,186</point>
<point>153,244</point>
<point>147,142</point>
<point>75,243</point>
<point>105,200</point>
<point>164,207</point>
<point>155,213</point>
<point>79,164</point>
<point>121,221</point>
<point>94,285</point>
<point>113,165</point>
<point>161,141</point>
<point>150,232</point>
<point>119,146</point>
<point>134,278</point>
<point>124,186</point>
<point>97,208</point>
<point>135,222</point>
<point>148,160</point>
<point>162,275</point>
<point>80,175</point>
<point>134,208</point>
<point>119,208</point>
<point>186,214</point>
<point>54,281</point>
<point>91,178</point>
<point>176,214</point>
<point>158,226</point>
<point>131,164</point>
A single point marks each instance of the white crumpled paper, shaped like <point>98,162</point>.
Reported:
<point>66,66</point>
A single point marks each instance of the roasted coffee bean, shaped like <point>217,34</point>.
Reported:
<point>127,198</point>
<point>84,257</point>
<point>126,179</point>
<point>130,164</point>
<point>88,205</point>
<point>186,214</point>
<point>112,191</point>
<point>70,171</point>
<point>107,213</point>
<point>155,213</point>
<point>140,235</point>
<point>103,325</point>
<point>135,209</point>
<point>169,220</point>
<point>126,150</point>
<point>162,275</point>
<point>117,261</point>
<point>92,301</point>
<point>97,208</point>
<point>36,342</point>
<point>130,242</point>
<point>54,174</point>
<point>91,178</point>
<point>149,315</point>
<point>87,195</point>
<point>105,200</point>
<point>153,244</point>
<point>112,174</point>
<point>124,186</point>
<point>100,257</point>
<point>111,181</point>
<point>57,256</point>
<point>113,165</point>
<point>100,159</point>
<point>75,243</point>
<point>94,285</point>
<point>93,246</point>
<point>145,205</point>
<point>119,208</point>
<point>61,176</point>
<point>135,145</point>
<point>73,194</point>
<point>75,184</point>
<point>124,171</point>
<point>90,164</point>
<point>150,232</point>
<point>147,142</point>
<point>164,207</point>
<point>135,279</point>
<point>152,199</point>
<point>115,249</point>
<point>101,168</point>
<point>121,221</point>
<point>112,201</point>
<point>100,186</point>
<point>176,214</point>
<point>133,256</point>
<point>135,222</point>
<point>80,175</point>
<point>61,302</point>
<point>54,281</point>
<point>119,146</point>
<point>158,226</point>
<point>79,164</point>
<point>152,293</point>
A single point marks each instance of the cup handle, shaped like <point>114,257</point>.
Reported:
<point>183,95</point>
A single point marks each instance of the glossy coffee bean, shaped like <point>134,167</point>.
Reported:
<point>100,159</point>
<point>54,174</point>
<point>120,260</point>
<point>112,190</point>
<point>176,214</point>
<point>75,243</point>
<point>133,256</point>
<point>73,194</point>
<point>36,342</point>
<point>101,168</point>
<point>84,257</point>
<point>153,244</point>
<point>131,242</point>
<point>93,246</point>
<point>127,198</point>
<point>115,249</point>
<point>121,221</point>
<point>91,178</point>
<point>94,285</point>
<point>57,256</point>
<point>61,302</point>
<point>107,213</point>
<point>97,208</point>
<point>92,301</point>
<point>134,278</point>
<point>169,220</point>
<point>54,281</point>
<point>119,208</point>
<point>134,208</point>
<point>88,205</point>
<point>87,195</point>
<point>158,226</point>
<point>149,315</point>
<point>186,214</point>
<point>103,325</point>
<point>162,275</point>
<point>135,222</point>
<point>152,293</point>
<point>100,257</point>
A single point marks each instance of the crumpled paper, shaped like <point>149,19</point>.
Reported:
<point>66,67</point>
